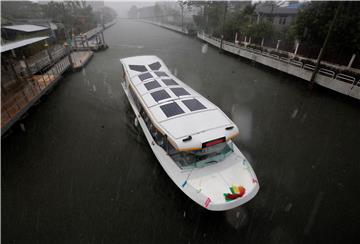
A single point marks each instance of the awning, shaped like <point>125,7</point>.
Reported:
<point>22,43</point>
<point>25,28</point>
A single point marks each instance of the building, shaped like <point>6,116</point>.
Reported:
<point>96,5</point>
<point>11,33</point>
<point>280,16</point>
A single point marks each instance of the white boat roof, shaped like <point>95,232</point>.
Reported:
<point>175,109</point>
<point>25,28</point>
<point>22,43</point>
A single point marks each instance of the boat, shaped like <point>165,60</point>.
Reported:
<point>190,136</point>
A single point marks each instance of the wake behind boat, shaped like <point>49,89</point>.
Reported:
<point>189,135</point>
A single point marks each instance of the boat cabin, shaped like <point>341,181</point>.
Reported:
<point>190,128</point>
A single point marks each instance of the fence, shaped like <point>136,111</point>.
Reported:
<point>16,103</point>
<point>331,76</point>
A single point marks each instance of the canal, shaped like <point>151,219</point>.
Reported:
<point>80,172</point>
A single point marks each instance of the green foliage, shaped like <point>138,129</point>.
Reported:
<point>132,13</point>
<point>313,22</point>
<point>73,14</point>
<point>259,31</point>
<point>20,10</point>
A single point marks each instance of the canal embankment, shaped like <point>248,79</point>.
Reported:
<point>178,29</point>
<point>331,76</point>
<point>42,72</point>
<point>333,79</point>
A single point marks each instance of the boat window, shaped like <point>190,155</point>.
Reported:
<point>204,157</point>
<point>160,73</point>
<point>171,109</point>
<point>169,82</point>
<point>160,95</point>
<point>155,66</point>
<point>139,68</point>
<point>193,104</point>
<point>179,91</point>
<point>145,76</point>
<point>152,85</point>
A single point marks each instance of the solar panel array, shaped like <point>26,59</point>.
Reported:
<point>193,104</point>
<point>145,76</point>
<point>139,68</point>
<point>171,109</point>
<point>152,85</point>
<point>160,95</point>
<point>160,73</point>
<point>155,66</point>
<point>179,91</point>
<point>169,82</point>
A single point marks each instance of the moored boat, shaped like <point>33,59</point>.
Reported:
<point>190,136</point>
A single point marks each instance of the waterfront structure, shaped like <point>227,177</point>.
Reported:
<point>281,17</point>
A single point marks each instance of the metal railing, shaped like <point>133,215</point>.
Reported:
<point>14,103</point>
<point>324,71</point>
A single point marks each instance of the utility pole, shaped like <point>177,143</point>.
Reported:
<point>311,85</point>
<point>182,16</point>
<point>223,25</point>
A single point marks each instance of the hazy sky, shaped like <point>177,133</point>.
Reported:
<point>122,7</point>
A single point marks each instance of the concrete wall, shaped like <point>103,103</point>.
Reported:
<point>347,88</point>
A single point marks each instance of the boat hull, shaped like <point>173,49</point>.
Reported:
<point>206,186</point>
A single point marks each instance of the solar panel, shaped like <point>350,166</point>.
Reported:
<point>160,95</point>
<point>169,82</point>
<point>193,104</point>
<point>155,66</point>
<point>145,76</point>
<point>152,85</point>
<point>179,91</point>
<point>139,68</point>
<point>160,73</point>
<point>171,109</point>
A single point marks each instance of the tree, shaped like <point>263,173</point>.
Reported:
<point>133,11</point>
<point>314,19</point>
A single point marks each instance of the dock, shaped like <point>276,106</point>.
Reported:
<point>80,59</point>
<point>42,71</point>
<point>17,102</point>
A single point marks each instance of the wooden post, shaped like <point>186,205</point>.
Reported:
<point>297,44</point>
<point>277,45</point>
<point>50,57</point>
<point>102,35</point>
<point>75,41</point>
<point>87,41</point>
<point>223,26</point>
<point>182,16</point>
<point>262,42</point>
<point>26,66</point>
<point>351,61</point>
<point>324,46</point>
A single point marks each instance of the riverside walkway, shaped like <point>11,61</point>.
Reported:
<point>40,74</point>
<point>329,78</point>
<point>17,102</point>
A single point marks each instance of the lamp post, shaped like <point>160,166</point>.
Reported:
<point>68,53</point>
<point>46,45</point>
<point>223,25</point>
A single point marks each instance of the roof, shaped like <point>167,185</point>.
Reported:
<point>175,109</point>
<point>22,43</point>
<point>275,10</point>
<point>25,28</point>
